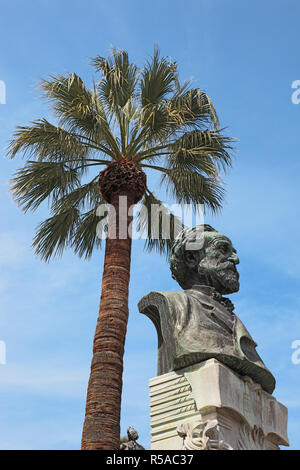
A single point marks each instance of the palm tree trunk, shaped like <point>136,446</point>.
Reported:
<point>101,429</point>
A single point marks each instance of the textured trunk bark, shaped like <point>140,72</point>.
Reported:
<point>101,429</point>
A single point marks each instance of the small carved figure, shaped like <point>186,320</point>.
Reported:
<point>202,436</point>
<point>132,438</point>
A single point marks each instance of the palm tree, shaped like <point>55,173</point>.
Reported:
<point>132,121</point>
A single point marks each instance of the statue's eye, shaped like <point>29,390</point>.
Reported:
<point>223,247</point>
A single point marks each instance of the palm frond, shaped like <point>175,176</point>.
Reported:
<point>190,108</point>
<point>117,90</point>
<point>186,110</point>
<point>44,141</point>
<point>84,196</point>
<point>55,234</point>
<point>207,150</point>
<point>37,181</point>
<point>192,187</point>
<point>155,125</point>
<point>119,78</point>
<point>159,77</point>
<point>69,228</point>
<point>72,102</point>
<point>80,110</point>
<point>158,223</point>
<point>86,234</point>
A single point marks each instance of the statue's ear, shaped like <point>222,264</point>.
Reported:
<point>191,258</point>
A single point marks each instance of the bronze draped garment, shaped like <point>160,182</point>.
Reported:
<point>192,327</point>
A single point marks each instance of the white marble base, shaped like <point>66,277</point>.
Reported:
<point>209,407</point>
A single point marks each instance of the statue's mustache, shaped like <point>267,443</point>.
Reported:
<point>229,267</point>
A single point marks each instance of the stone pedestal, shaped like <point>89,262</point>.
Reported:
<point>208,407</point>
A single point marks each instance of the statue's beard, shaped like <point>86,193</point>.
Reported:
<point>223,277</point>
<point>229,280</point>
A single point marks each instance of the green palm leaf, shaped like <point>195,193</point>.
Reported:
<point>158,224</point>
<point>85,196</point>
<point>37,181</point>
<point>192,187</point>
<point>55,234</point>
<point>44,141</point>
<point>207,150</point>
<point>86,234</point>
<point>80,109</point>
<point>158,78</point>
<point>117,90</point>
<point>119,80</point>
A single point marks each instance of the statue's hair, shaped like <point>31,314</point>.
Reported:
<point>180,270</point>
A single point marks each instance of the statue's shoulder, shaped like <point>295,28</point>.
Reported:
<point>162,308</point>
<point>161,301</point>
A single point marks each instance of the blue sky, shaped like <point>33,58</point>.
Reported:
<point>245,56</point>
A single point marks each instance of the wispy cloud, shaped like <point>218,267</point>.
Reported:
<point>56,379</point>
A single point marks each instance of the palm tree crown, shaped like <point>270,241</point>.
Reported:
<point>140,115</point>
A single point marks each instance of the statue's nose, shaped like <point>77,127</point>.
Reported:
<point>234,258</point>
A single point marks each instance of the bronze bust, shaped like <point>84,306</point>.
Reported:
<point>198,323</point>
